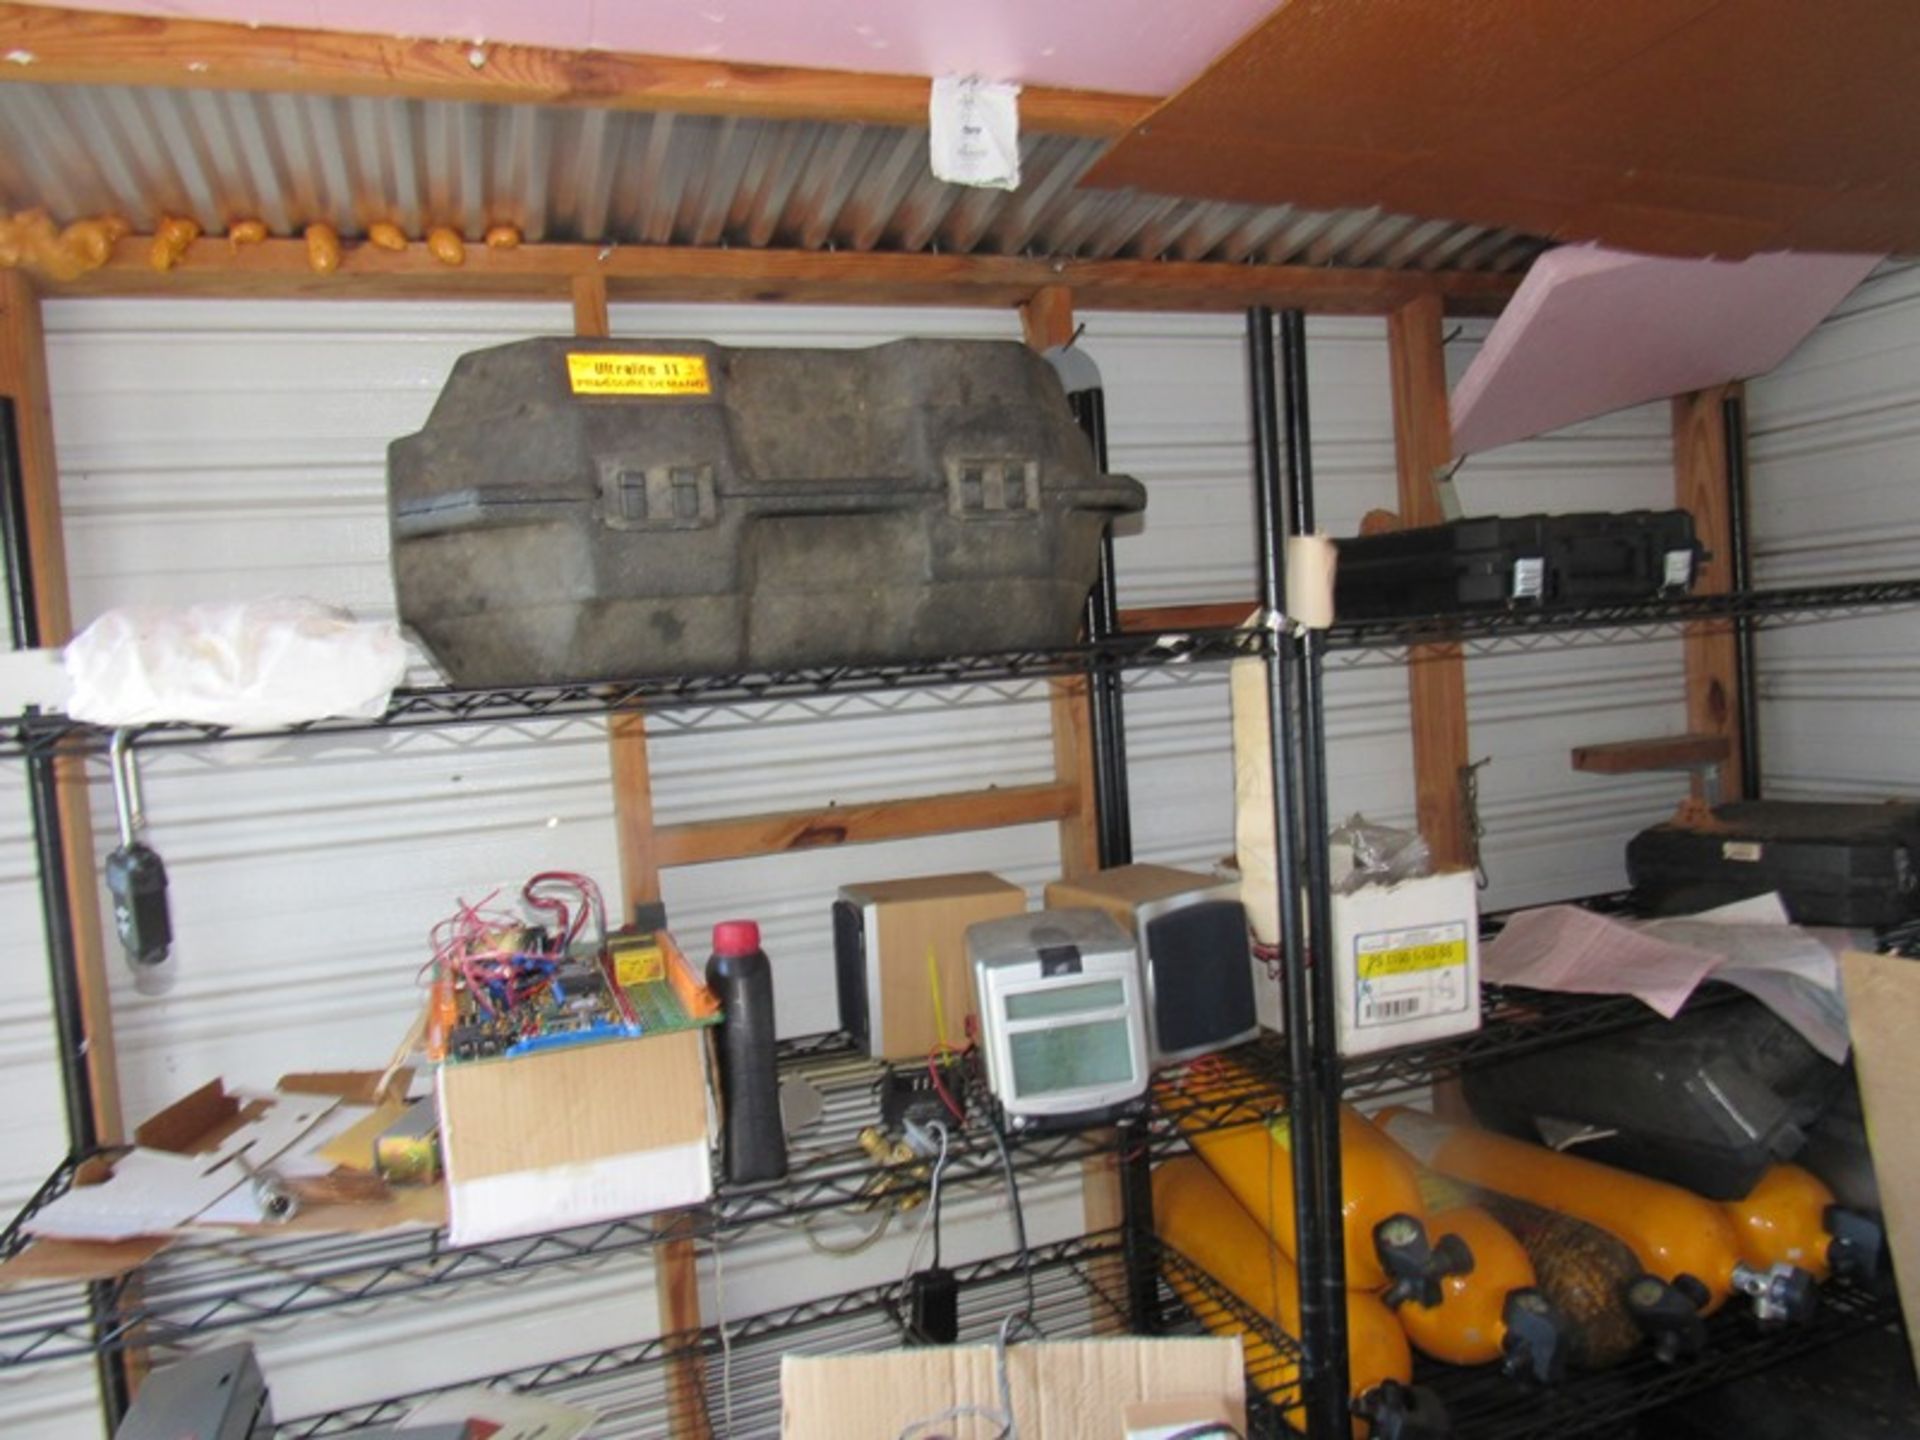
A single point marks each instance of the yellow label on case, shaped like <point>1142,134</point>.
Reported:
<point>1409,959</point>
<point>603,373</point>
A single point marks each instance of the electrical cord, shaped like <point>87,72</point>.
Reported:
<point>931,1220</point>
<point>866,1242</point>
<point>1019,1212</point>
<point>726,1334</point>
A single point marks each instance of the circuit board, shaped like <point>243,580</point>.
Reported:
<point>523,1000</point>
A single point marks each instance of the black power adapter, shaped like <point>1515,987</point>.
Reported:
<point>934,1300</point>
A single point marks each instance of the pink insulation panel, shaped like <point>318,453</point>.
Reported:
<point>1593,330</point>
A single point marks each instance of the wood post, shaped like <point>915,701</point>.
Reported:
<point>675,1260</point>
<point>1436,674</point>
<point>1712,649</point>
<point>23,376</point>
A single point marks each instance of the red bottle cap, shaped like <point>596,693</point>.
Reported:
<point>736,937</point>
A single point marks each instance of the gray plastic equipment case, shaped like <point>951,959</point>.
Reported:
<point>590,509</point>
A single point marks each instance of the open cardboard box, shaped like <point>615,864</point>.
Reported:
<point>198,1124</point>
<point>567,1137</point>
<point>1068,1390</point>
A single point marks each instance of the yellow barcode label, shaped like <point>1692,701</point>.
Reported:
<point>1411,959</point>
<point>602,373</point>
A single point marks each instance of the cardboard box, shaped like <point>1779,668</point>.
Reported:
<point>1407,963</point>
<point>1124,889</point>
<point>570,1136</point>
<point>1071,1390</point>
<point>1883,1012</point>
<point>901,946</point>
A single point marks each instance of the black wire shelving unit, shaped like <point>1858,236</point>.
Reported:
<point>1078,1292</point>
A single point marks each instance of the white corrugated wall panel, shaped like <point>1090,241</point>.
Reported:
<point>1834,475</point>
<point>216,450</point>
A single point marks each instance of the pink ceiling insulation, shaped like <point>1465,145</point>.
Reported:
<point>1141,47</point>
<point>1592,330</point>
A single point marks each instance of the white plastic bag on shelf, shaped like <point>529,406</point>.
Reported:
<point>250,665</point>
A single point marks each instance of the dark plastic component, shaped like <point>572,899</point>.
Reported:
<point>137,881</point>
<point>1417,1264</point>
<point>1492,562</point>
<point>935,1299</point>
<point>1832,864</point>
<point>1858,1249</point>
<point>1706,1101</point>
<point>1669,1315</point>
<point>753,1140</point>
<point>796,507</point>
<point>1538,1338</point>
<point>1202,977</point>
<point>649,916</point>
<point>850,973</point>
<point>1403,1412</point>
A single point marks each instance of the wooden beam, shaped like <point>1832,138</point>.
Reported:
<point>1046,320</point>
<point>278,268</point>
<point>1711,647</point>
<point>1436,674</point>
<point>677,1300</point>
<point>590,306</point>
<point>743,837</point>
<point>1665,752</point>
<point>1213,615</point>
<point>49,45</point>
<point>23,376</point>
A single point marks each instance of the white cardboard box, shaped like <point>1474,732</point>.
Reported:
<point>1407,963</point>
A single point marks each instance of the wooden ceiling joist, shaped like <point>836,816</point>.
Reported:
<point>49,45</point>
<point>279,268</point>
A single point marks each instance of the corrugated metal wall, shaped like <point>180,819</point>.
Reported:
<point>1835,471</point>
<point>226,449</point>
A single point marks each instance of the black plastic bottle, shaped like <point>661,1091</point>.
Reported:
<point>753,1142</point>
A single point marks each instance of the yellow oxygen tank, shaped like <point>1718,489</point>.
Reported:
<point>1199,1218</point>
<point>1378,1185</point>
<point>1494,1312</point>
<point>1678,1236</point>
<point>1790,1218</point>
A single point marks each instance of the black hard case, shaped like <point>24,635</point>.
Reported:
<point>1526,559</point>
<point>791,508</point>
<point>1832,864</point>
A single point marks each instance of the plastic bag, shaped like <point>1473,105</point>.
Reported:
<point>1381,855</point>
<point>253,664</point>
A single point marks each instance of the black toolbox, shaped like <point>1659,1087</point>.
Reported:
<point>587,509</point>
<point>1832,864</point>
<point>1515,560</point>
<point>1708,1100</point>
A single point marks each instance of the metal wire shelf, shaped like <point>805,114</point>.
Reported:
<point>35,733</point>
<point>203,1286</point>
<point>1482,1404</point>
<point>1078,1291</point>
<point>1519,627</point>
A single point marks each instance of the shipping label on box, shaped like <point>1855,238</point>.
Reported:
<point>1408,962</point>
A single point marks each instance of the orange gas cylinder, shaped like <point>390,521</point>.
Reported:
<point>1790,1218</point>
<point>1197,1216</point>
<point>1496,1310</point>
<point>1675,1234</point>
<point>1377,1181</point>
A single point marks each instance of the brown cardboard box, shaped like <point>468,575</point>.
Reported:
<point>901,921</point>
<point>571,1136</point>
<point>1122,890</point>
<point>1071,1390</point>
<point>1883,1012</point>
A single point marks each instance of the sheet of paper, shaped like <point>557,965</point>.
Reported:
<point>1793,971</point>
<point>502,1415</point>
<point>1562,947</point>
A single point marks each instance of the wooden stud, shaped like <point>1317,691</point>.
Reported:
<point>677,1276</point>
<point>279,268</point>
<point>23,375</point>
<point>1436,674</point>
<point>1666,752</point>
<point>590,306</point>
<point>1215,615</point>
<point>1711,647</point>
<point>1047,318</point>
<point>49,46</point>
<point>746,836</point>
